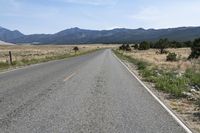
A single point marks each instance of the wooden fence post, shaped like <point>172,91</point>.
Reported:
<point>10,56</point>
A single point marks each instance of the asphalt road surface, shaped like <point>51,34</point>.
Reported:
<point>92,93</point>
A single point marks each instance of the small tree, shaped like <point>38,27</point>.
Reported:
<point>152,45</point>
<point>136,46</point>
<point>162,44</point>
<point>171,57</point>
<point>122,47</point>
<point>127,47</point>
<point>195,49</point>
<point>188,43</point>
<point>75,49</point>
<point>144,46</point>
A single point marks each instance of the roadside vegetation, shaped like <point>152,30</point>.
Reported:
<point>29,54</point>
<point>174,79</point>
<point>164,80</point>
<point>173,68</point>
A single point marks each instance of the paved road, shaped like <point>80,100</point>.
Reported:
<point>93,93</point>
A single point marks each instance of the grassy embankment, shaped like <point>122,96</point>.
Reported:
<point>167,80</point>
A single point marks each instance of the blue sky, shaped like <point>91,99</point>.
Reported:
<point>50,16</point>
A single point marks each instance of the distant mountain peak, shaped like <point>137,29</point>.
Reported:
<point>17,31</point>
<point>75,28</point>
<point>140,29</point>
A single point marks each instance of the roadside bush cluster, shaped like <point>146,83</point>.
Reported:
<point>166,81</point>
<point>125,47</point>
<point>165,43</point>
<point>162,44</point>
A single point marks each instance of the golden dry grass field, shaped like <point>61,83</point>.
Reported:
<point>23,55</point>
<point>159,60</point>
<point>29,52</point>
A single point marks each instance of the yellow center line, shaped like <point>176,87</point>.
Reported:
<point>70,76</point>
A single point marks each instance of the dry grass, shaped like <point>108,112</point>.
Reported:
<point>39,52</point>
<point>159,60</point>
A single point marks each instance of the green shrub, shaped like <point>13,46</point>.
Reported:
<point>170,83</point>
<point>150,75</point>
<point>193,76</point>
<point>172,57</point>
<point>141,65</point>
<point>3,65</point>
<point>147,72</point>
<point>144,46</point>
<point>136,46</point>
<point>75,49</point>
<point>195,49</point>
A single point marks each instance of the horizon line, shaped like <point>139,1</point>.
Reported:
<point>101,29</point>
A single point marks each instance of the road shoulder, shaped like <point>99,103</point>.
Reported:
<point>159,96</point>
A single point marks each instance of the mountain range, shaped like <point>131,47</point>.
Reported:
<point>83,36</point>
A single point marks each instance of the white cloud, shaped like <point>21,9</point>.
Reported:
<point>147,14</point>
<point>173,15</point>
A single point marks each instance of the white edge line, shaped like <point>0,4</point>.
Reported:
<point>157,99</point>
